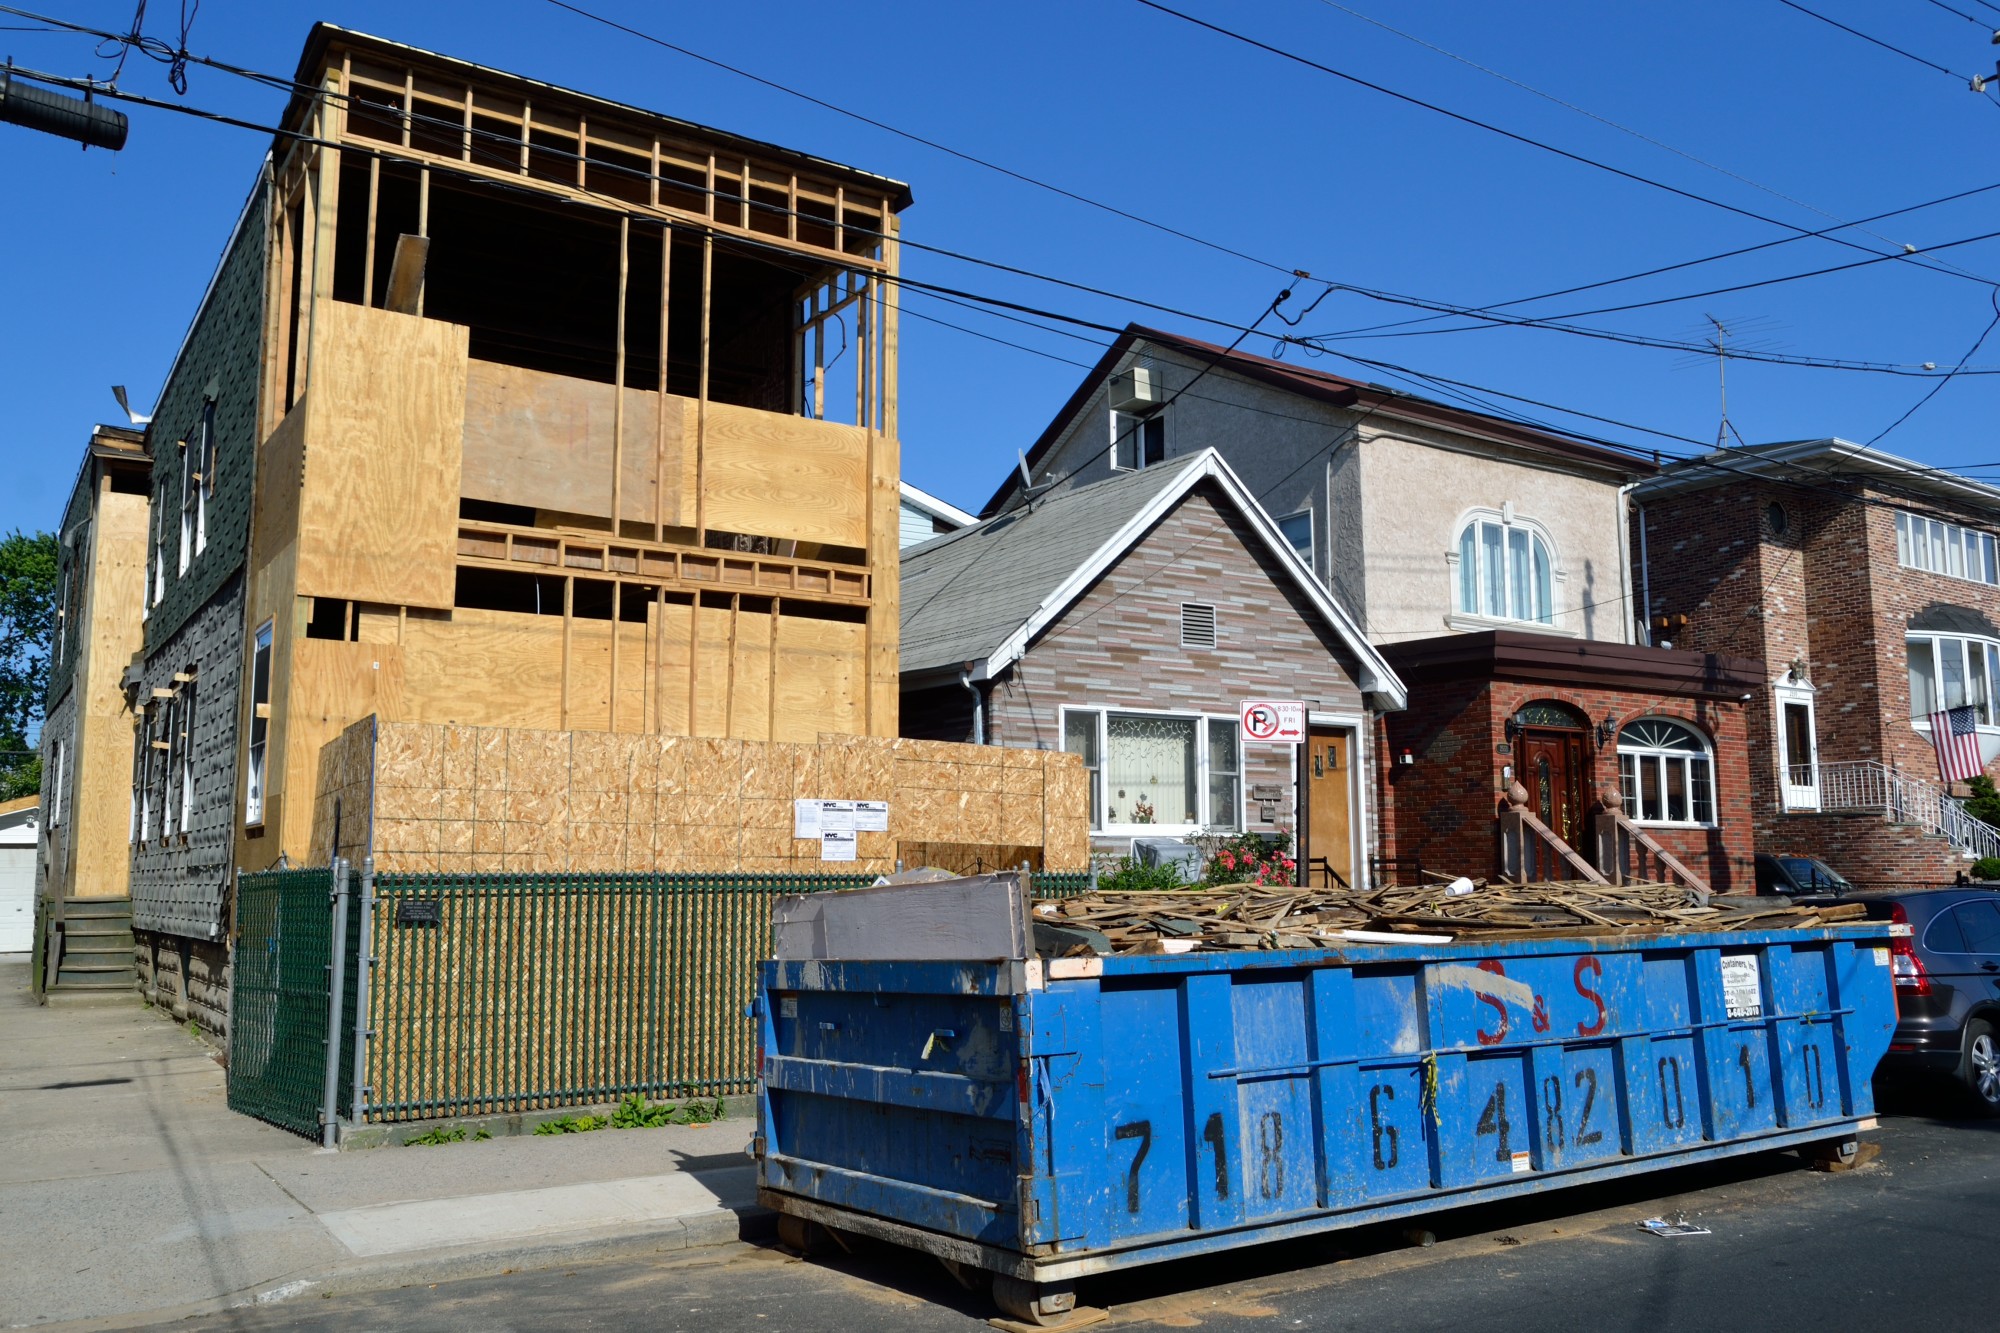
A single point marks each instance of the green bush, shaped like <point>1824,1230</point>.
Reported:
<point>1984,803</point>
<point>1986,867</point>
<point>1133,877</point>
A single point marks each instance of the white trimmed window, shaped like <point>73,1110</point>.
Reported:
<point>204,475</point>
<point>1946,548</point>
<point>1505,570</point>
<point>1138,441</point>
<point>1952,671</point>
<point>260,726</point>
<point>1298,530</point>
<point>1666,773</point>
<point>142,774</point>
<point>55,785</point>
<point>190,491</point>
<point>184,738</point>
<point>1158,773</point>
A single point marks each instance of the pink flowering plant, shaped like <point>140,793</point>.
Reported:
<point>1252,858</point>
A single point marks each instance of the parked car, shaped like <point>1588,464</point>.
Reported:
<point>1799,876</point>
<point>1947,977</point>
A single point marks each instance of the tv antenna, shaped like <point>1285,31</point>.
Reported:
<point>1719,340</point>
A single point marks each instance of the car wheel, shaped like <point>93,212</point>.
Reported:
<point>1979,1067</point>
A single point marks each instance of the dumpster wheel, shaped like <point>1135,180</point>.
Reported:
<point>1046,1304</point>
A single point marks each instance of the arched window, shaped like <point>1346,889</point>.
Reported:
<point>1666,773</point>
<point>1504,570</point>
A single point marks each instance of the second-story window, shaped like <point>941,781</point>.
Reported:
<point>190,490</point>
<point>1136,441</point>
<point>1946,548</point>
<point>204,475</point>
<point>1504,571</point>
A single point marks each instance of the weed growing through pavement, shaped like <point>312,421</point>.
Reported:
<point>632,1113</point>
<point>430,1138</point>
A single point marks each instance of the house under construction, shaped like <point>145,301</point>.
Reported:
<point>507,407</point>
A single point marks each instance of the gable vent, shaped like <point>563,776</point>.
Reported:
<point>1197,625</point>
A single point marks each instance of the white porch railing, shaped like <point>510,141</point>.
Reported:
<point>1865,784</point>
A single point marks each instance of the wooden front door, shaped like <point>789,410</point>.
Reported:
<point>1329,805</point>
<point>1552,768</point>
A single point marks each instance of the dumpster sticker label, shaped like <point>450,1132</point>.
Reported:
<point>1520,1162</point>
<point>788,1006</point>
<point>1879,957</point>
<point>1742,986</point>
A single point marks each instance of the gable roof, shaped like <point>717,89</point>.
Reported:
<point>1321,386</point>
<point>1812,463</point>
<point>936,508</point>
<point>982,594</point>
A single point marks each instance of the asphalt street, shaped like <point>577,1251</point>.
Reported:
<point>1905,1241</point>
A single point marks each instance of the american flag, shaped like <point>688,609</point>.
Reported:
<point>1955,734</point>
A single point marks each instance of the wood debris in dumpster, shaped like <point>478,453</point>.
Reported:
<point>1267,916</point>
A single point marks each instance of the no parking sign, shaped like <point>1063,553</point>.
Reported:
<point>1275,721</point>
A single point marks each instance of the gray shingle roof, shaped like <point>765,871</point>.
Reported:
<point>964,593</point>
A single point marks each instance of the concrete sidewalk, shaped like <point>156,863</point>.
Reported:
<point>130,1193</point>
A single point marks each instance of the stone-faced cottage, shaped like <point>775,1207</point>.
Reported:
<point>1124,620</point>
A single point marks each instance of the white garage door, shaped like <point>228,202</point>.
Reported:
<point>17,899</point>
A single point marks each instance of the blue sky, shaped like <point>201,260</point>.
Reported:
<point>105,255</point>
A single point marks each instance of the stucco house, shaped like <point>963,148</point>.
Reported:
<point>1868,586</point>
<point>1489,562</point>
<point>1125,620</point>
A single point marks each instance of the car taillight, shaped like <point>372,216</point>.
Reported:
<point>1905,968</point>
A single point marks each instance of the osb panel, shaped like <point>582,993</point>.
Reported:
<point>487,799</point>
<point>384,427</point>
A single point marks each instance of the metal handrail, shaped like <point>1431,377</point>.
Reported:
<point>1869,784</point>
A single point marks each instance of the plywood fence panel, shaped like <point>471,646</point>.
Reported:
<point>385,420</point>
<point>784,476</point>
<point>483,800</point>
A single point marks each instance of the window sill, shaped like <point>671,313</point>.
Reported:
<point>1458,620</point>
<point>1945,574</point>
<point>1158,830</point>
<point>1670,824</point>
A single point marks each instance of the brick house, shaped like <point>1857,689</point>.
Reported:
<point>1489,562</point>
<point>1124,620</point>
<point>1868,586</point>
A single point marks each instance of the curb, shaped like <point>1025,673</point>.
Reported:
<point>714,1227</point>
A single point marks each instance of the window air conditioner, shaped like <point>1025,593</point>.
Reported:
<point>1135,389</point>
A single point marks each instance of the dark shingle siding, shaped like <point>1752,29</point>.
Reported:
<point>70,632</point>
<point>224,348</point>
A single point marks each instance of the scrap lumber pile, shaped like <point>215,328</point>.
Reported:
<point>1265,916</point>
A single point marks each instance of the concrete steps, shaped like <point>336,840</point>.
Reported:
<point>97,946</point>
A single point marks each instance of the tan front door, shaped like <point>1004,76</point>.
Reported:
<point>1330,808</point>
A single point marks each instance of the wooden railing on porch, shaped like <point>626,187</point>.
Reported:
<point>1617,835</point>
<point>1526,843</point>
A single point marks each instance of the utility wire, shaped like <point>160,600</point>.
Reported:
<point>1876,41</point>
<point>1937,388</point>
<point>458,128</point>
<point>1628,130</point>
<point>1490,127</point>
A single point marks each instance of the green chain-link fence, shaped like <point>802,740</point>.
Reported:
<point>503,993</point>
<point>278,1019</point>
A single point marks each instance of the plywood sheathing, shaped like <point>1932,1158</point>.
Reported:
<point>469,800</point>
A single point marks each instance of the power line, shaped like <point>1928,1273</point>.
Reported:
<point>1877,41</point>
<point>1488,126</point>
<point>1937,388</point>
<point>1628,130</point>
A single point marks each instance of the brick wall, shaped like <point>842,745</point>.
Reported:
<point>1827,597</point>
<point>1441,809</point>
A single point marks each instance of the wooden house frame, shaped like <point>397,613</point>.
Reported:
<point>571,416</point>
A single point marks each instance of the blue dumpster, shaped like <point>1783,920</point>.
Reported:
<point>1050,1119</point>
